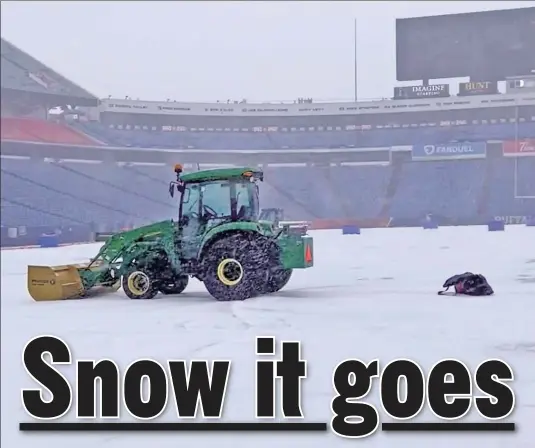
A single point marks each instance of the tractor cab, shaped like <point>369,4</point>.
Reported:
<point>214,197</point>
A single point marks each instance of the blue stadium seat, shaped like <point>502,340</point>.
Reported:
<point>108,196</point>
<point>146,138</point>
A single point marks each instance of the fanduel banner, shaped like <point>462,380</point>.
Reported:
<point>478,88</point>
<point>431,91</point>
<point>518,148</point>
<point>450,150</point>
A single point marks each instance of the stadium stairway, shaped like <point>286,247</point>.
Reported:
<point>273,196</point>
<point>362,188</point>
<point>41,131</point>
<point>442,188</point>
<point>296,186</point>
<point>484,194</point>
<point>392,187</point>
<point>340,198</point>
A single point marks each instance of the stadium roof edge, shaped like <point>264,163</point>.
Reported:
<point>469,13</point>
<point>74,89</point>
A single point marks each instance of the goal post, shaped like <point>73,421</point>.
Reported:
<point>518,192</point>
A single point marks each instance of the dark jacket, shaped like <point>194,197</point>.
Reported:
<point>469,284</point>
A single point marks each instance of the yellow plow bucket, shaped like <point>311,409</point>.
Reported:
<point>48,283</point>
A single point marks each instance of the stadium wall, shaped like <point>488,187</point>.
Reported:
<point>15,237</point>
<point>33,236</point>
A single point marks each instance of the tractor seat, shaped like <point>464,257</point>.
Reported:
<point>244,213</point>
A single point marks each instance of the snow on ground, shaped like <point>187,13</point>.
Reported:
<point>368,296</point>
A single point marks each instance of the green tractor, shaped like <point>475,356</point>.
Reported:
<point>217,239</point>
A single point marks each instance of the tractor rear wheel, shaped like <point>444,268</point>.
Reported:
<point>278,279</point>
<point>175,287</point>
<point>233,268</point>
<point>138,284</point>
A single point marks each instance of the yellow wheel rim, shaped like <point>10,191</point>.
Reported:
<point>230,272</point>
<point>138,283</point>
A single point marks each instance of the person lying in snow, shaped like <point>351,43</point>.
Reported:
<point>468,284</point>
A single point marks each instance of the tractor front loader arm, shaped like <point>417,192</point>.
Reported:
<point>101,274</point>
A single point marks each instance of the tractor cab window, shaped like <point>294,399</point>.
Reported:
<point>211,203</point>
<point>247,201</point>
<point>206,202</point>
<point>215,199</point>
<point>190,200</point>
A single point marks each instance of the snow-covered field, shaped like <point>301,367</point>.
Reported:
<point>368,296</point>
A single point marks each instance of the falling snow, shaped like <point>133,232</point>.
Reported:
<point>368,296</point>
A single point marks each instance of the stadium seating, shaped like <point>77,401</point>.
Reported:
<point>82,193</point>
<point>109,196</point>
<point>14,77</point>
<point>449,188</point>
<point>514,178</point>
<point>23,72</point>
<point>305,140</point>
<point>35,130</point>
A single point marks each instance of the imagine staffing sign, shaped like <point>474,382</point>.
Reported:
<point>429,91</point>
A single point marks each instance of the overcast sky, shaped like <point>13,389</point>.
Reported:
<point>207,51</point>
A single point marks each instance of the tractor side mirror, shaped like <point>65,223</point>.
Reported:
<point>179,187</point>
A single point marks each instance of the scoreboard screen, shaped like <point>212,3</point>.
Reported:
<point>489,46</point>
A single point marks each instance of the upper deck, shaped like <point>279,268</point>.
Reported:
<point>383,106</point>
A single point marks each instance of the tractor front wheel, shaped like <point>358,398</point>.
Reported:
<point>232,268</point>
<point>175,287</point>
<point>138,284</point>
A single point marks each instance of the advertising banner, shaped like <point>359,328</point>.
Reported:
<point>430,91</point>
<point>450,150</point>
<point>478,88</point>
<point>519,148</point>
<point>512,219</point>
<point>33,236</point>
